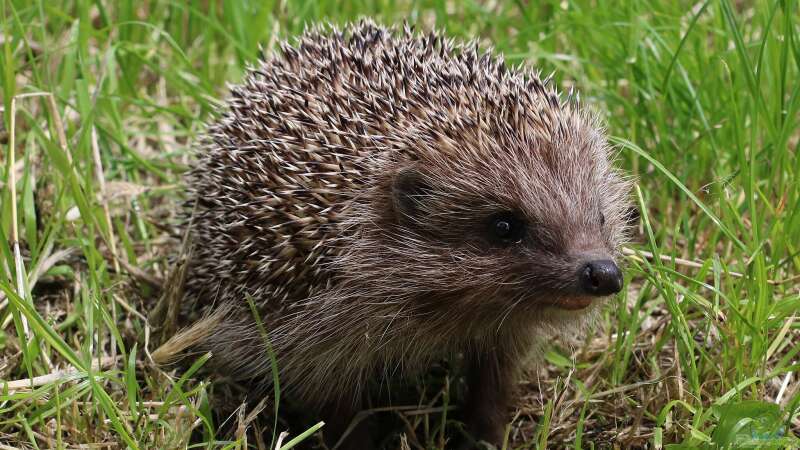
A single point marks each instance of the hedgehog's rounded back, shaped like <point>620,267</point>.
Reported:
<point>387,198</point>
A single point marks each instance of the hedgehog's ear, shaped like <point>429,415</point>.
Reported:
<point>409,193</point>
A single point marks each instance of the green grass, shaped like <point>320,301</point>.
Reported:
<point>702,100</point>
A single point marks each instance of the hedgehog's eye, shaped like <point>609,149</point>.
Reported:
<point>506,228</point>
<point>602,219</point>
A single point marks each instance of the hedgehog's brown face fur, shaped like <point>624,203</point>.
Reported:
<point>498,221</point>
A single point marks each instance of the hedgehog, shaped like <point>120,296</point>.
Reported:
<point>388,199</point>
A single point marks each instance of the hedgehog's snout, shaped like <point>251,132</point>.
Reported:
<point>600,277</point>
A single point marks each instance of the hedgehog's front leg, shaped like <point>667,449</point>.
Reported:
<point>490,382</point>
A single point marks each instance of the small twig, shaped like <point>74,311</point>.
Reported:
<point>424,411</point>
<point>129,308</point>
<point>625,388</point>
<point>240,426</point>
<point>27,383</point>
<point>784,385</point>
<point>281,437</point>
<point>142,275</point>
<point>666,258</point>
<point>175,412</point>
<point>245,420</point>
<point>637,254</point>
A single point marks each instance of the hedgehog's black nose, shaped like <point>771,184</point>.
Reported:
<point>601,277</point>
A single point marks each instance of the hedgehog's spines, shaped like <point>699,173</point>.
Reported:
<point>294,210</point>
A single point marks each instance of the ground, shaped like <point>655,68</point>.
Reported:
<point>103,100</point>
